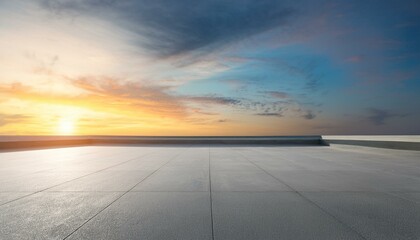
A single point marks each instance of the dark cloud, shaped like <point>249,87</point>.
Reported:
<point>270,114</point>
<point>268,109</point>
<point>174,27</point>
<point>261,106</point>
<point>213,99</point>
<point>277,94</point>
<point>309,115</point>
<point>380,116</point>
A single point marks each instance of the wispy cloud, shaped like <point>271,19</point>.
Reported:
<point>379,116</point>
<point>211,99</point>
<point>115,95</point>
<point>12,118</point>
<point>270,114</point>
<point>169,28</point>
<point>355,58</point>
<point>277,94</point>
<point>304,68</point>
<point>235,84</point>
<point>148,98</point>
<point>309,115</point>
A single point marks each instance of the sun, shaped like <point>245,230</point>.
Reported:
<point>66,126</point>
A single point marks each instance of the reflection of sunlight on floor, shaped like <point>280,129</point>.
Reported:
<point>63,159</point>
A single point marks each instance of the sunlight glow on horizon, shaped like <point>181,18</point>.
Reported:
<point>66,126</point>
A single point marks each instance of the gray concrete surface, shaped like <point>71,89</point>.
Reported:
<point>210,192</point>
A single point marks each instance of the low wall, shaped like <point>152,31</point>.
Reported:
<point>410,142</point>
<point>33,142</point>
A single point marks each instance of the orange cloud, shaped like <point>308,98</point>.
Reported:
<point>107,96</point>
<point>149,100</point>
<point>111,103</point>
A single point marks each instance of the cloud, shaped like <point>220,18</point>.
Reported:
<point>261,106</point>
<point>41,64</point>
<point>355,58</point>
<point>150,98</point>
<point>12,118</point>
<point>169,28</point>
<point>155,99</point>
<point>380,116</point>
<point>372,76</point>
<point>307,69</point>
<point>277,94</point>
<point>222,120</point>
<point>270,114</point>
<point>212,99</point>
<point>107,95</point>
<point>235,84</point>
<point>267,109</point>
<point>309,115</point>
<point>114,95</point>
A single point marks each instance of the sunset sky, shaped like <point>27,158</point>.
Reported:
<point>209,67</point>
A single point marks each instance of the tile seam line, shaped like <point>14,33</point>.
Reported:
<point>118,198</point>
<point>298,165</point>
<point>45,189</point>
<point>402,198</point>
<point>308,200</point>
<point>385,171</point>
<point>361,157</point>
<point>368,168</point>
<point>211,198</point>
<point>365,152</point>
<point>304,191</point>
<point>379,171</point>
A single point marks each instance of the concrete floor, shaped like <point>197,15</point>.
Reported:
<point>201,192</point>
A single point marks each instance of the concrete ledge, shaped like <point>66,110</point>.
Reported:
<point>8,143</point>
<point>290,140</point>
<point>42,144</point>
<point>411,142</point>
<point>31,142</point>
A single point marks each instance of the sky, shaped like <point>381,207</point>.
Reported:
<point>209,67</point>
